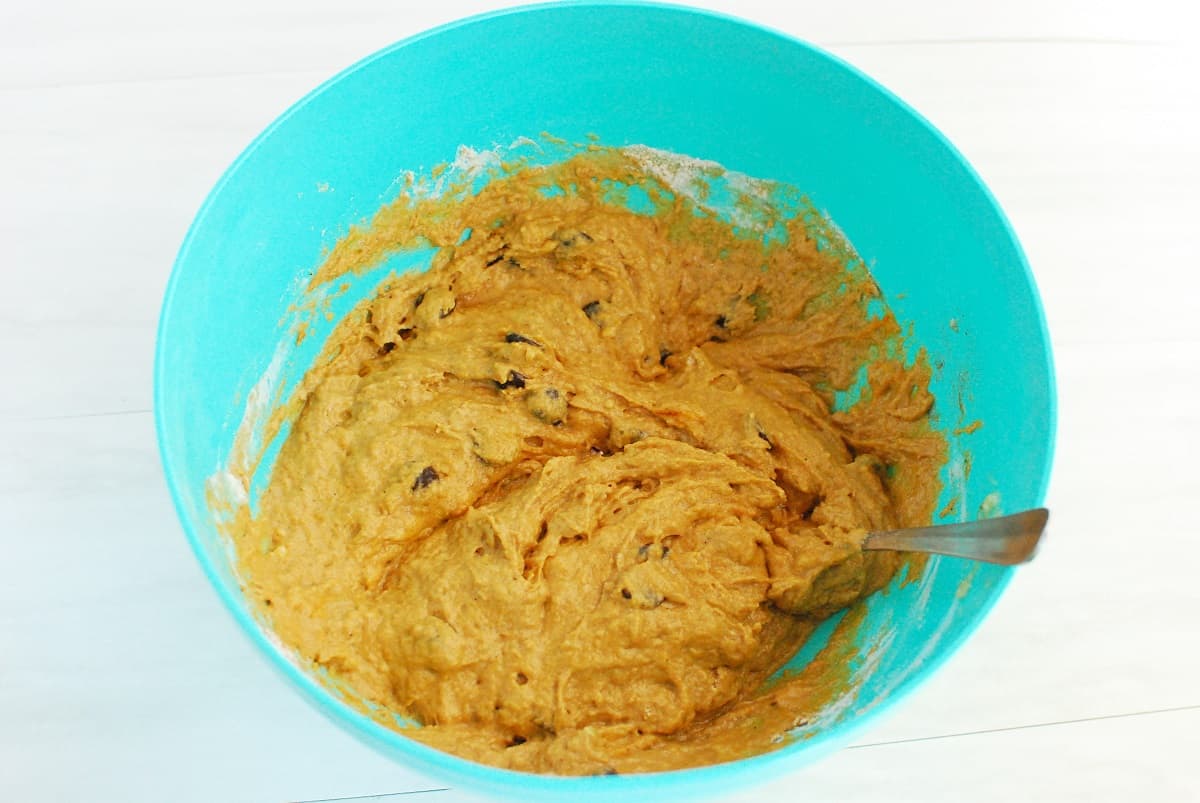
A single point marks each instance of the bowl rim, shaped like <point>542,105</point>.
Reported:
<point>753,770</point>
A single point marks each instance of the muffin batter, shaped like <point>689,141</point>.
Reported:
<point>569,497</point>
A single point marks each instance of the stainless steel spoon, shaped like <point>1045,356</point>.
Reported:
<point>1006,540</point>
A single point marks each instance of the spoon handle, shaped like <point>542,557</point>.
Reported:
<point>1006,540</point>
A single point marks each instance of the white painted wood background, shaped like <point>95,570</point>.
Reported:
<point>123,679</point>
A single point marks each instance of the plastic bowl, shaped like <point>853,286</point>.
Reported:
<point>685,81</point>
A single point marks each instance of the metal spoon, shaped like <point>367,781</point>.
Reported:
<point>1006,540</point>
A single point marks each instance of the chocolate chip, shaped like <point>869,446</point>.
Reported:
<point>626,593</point>
<point>763,435</point>
<point>516,740</point>
<point>499,257</point>
<point>427,477</point>
<point>417,301</point>
<point>663,356</point>
<point>386,348</point>
<point>721,321</point>
<point>568,239</point>
<point>406,333</point>
<point>643,551</point>
<point>513,337</point>
<point>591,309</point>
<point>515,380</point>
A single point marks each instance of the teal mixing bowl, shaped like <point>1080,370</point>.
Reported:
<point>672,78</point>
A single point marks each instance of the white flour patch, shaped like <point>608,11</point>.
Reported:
<point>691,177</point>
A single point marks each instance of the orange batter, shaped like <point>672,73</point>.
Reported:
<point>570,496</point>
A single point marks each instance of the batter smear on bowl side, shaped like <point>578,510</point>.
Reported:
<point>569,497</point>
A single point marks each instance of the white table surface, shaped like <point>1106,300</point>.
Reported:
<point>121,676</point>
